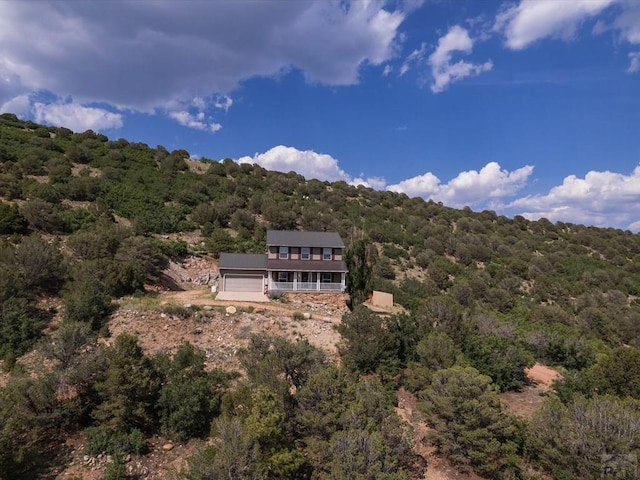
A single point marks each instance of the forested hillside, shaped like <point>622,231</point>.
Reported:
<point>87,220</point>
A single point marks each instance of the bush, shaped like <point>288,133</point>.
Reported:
<point>176,310</point>
<point>107,440</point>
<point>190,397</point>
<point>86,302</point>
<point>115,470</point>
<point>20,326</point>
<point>11,220</point>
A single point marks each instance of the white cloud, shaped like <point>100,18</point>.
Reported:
<point>377,183</point>
<point>146,55</point>
<point>533,20</point>
<point>635,226</point>
<point>415,57</point>
<point>628,22</point>
<point>444,72</point>
<point>600,198</point>
<point>634,62</point>
<point>223,102</point>
<point>196,121</point>
<point>76,117</point>
<point>20,105</point>
<point>387,70</point>
<point>470,188</point>
<point>307,163</point>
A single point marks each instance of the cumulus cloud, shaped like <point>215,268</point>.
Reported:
<point>76,117</point>
<point>472,188</point>
<point>196,121</point>
<point>20,105</point>
<point>533,20</point>
<point>600,198</point>
<point>444,72</point>
<point>145,55</point>
<point>309,164</point>
<point>377,183</point>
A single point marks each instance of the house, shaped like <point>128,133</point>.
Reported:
<point>295,262</point>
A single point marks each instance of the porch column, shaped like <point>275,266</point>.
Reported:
<point>343,277</point>
<point>318,281</point>
<point>295,281</point>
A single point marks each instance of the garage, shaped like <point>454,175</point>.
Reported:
<point>243,283</point>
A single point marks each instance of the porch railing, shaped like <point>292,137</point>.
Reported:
<point>306,287</point>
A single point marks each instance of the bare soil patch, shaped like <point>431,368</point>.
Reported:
<point>527,401</point>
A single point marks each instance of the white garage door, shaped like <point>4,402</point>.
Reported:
<point>243,283</point>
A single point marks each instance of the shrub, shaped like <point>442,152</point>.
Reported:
<point>11,220</point>
<point>87,302</point>
<point>107,440</point>
<point>176,310</point>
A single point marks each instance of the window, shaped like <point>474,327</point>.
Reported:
<point>327,277</point>
<point>327,254</point>
<point>283,277</point>
<point>284,253</point>
<point>305,253</point>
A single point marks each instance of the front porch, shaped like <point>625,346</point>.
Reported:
<point>306,282</point>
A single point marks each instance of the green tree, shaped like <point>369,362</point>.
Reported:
<point>235,456</point>
<point>367,342</point>
<point>87,302</point>
<point>11,220</point>
<point>130,390</point>
<point>67,343</point>
<point>437,351</point>
<point>569,441</point>
<point>190,396</point>
<point>40,263</point>
<point>20,326</point>
<point>360,265</point>
<point>502,359</point>
<point>268,358</point>
<point>469,425</point>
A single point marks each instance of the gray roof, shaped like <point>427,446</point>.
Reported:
<point>293,238</point>
<point>242,261</point>
<point>306,265</point>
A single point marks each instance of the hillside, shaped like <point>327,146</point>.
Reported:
<point>91,225</point>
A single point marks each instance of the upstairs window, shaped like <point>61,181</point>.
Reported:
<point>284,253</point>
<point>305,253</point>
<point>327,254</point>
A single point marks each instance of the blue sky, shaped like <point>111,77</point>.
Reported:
<point>527,107</point>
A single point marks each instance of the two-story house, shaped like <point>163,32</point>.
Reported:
<point>295,261</point>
